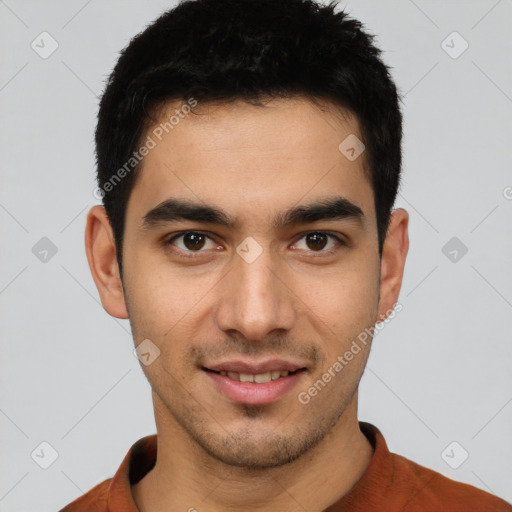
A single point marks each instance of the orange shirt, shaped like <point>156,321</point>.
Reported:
<point>391,483</point>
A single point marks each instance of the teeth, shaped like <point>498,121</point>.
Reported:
<point>261,378</point>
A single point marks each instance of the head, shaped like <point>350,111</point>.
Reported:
<point>248,158</point>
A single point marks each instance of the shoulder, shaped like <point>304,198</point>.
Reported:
<point>395,483</point>
<point>95,500</point>
<point>426,486</point>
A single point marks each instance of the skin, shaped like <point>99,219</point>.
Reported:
<point>296,302</point>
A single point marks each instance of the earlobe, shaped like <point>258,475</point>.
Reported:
<point>394,254</point>
<point>101,255</point>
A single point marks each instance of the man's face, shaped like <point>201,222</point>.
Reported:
<point>261,296</point>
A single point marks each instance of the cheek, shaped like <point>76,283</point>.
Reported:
<point>345,299</point>
<point>166,302</point>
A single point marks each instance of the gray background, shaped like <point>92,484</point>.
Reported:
<point>439,372</point>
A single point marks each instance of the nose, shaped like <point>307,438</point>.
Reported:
<point>256,299</point>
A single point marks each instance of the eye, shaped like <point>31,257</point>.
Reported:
<point>317,241</point>
<point>192,241</point>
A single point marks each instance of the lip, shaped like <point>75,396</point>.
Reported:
<point>251,393</point>
<point>255,368</point>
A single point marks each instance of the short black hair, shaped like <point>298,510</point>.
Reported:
<point>226,50</point>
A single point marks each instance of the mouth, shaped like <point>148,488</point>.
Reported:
<point>254,384</point>
<point>259,378</point>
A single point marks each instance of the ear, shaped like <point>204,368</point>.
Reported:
<point>394,253</point>
<point>101,255</point>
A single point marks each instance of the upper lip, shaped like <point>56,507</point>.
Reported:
<point>255,368</point>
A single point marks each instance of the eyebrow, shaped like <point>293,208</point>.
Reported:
<point>173,209</point>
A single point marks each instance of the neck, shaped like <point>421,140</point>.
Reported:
<point>186,478</point>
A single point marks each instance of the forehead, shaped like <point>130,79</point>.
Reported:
<point>250,159</point>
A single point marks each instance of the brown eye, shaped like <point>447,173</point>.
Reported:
<point>316,241</point>
<point>192,241</point>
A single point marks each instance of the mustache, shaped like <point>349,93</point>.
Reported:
<point>277,346</point>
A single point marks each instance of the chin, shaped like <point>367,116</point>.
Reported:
<point>265,450</point>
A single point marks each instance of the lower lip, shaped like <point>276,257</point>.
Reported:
<point>252,393</point>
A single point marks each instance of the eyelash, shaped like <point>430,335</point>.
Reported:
<point>192,254</point>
